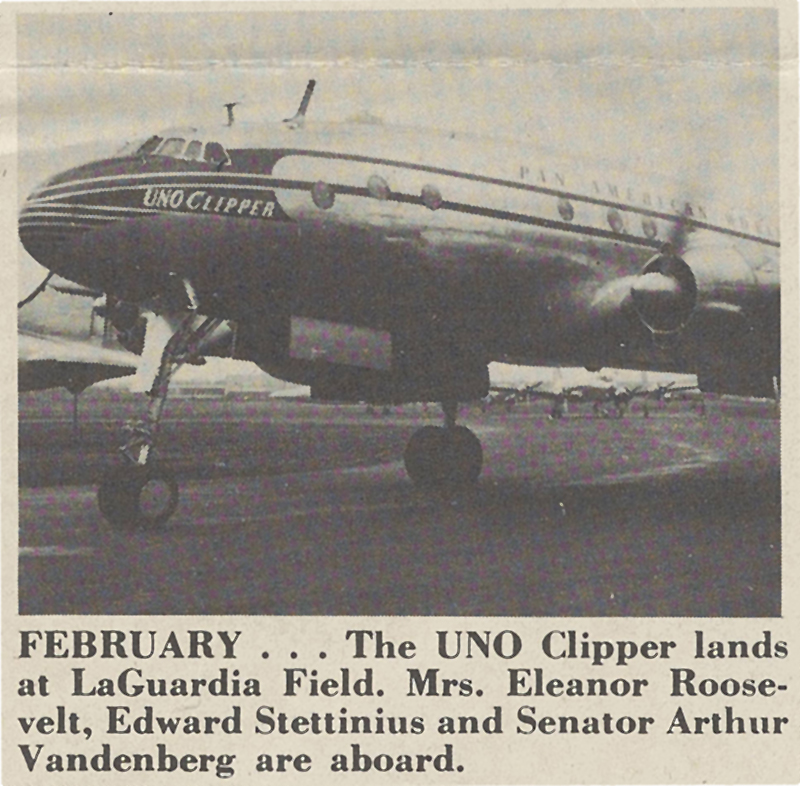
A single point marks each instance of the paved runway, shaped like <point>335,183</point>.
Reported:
<point>298,508</point>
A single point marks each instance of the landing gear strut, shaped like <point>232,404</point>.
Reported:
<point>444,456</point>
<point>141,493</point>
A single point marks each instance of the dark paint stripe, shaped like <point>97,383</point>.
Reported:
<point>137,179</point>
<point>460,207</point>
<point>240,179</point>
<point>528,187</point>
<point>243,178</point>
<point>506,215</point>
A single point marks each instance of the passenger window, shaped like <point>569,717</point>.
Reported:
<point>194,150</point>
<point>172,147</point>
<point>215,153</point>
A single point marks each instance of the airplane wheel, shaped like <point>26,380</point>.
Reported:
<point>423,455</point>
<point>463,456</point>
<point>134,497</point>
<point>436,456</point>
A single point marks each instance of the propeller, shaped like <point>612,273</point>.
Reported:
<point>678,237</point>
<point>665,294</point>
<point>37,291</point>
<point>78,291</point>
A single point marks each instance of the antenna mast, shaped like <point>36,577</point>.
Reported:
<point>230,107</point>
<point>300,117</point>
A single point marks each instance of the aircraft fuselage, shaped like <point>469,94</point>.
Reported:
<point>395,251</point>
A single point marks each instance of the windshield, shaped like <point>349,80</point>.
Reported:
<point>140,147</point>
<point>177,147</point>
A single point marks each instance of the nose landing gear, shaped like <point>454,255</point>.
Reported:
<point>141,493</point>
<point>444,456</point>
<point>138,496</point>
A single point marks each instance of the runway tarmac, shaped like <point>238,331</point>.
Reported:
<point>300,508</point>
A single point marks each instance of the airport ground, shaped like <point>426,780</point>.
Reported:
<point>302,508</point>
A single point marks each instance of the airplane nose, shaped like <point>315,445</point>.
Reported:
<point>36,228</point>
<point>45,224</point>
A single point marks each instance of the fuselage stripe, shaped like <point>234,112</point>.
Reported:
<point>226,176</point>
<point>74,214</point>
<point>54,224</point>
<point>568,195</point>
<point>111,189</point>
<point>66,206</point>
<point>403,198</point>
<point>301,185</point>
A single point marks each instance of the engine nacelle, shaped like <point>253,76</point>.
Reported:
<point>671,289</point>
<point>728,314</point>
<point>711,311</point>
<point>665,293</point>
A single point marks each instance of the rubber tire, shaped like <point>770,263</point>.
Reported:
<point>463,457</point>
<point>436,456</point>
<point>119,497</point>
<point>424,454</point>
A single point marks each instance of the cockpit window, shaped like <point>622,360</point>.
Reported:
<point>178,147</point>
<point>172,147</point>
<point>215,153</point>
<point>149,146</point>
<point>194,150</point>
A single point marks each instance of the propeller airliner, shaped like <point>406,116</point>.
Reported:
<point>392,265</point>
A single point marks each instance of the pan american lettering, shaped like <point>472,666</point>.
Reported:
<point>206,202</point>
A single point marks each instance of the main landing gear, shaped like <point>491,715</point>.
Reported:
<point>444,456</point>
<point>141,493</point>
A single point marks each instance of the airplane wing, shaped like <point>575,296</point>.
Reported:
<point>47,362</point>
<point>509,377</point>
<point>292,392</point>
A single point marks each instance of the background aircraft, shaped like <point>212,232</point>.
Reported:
<point>66,338</point>
<point>61,340</point>
<point>610,386</point>
<point>387,264</point>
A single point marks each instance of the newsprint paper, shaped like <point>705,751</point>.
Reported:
<point>402,394</point>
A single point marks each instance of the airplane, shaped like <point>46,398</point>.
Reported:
<point>509,383</point>
<point>48,362</point>
<point>292,393</point>
<point>65,338</point>
<point>661,392</point>
<point>60,346</point>
<point>619,389</point>
<point>595,386</point>
<point>601,389</point>
<point>608,386</point>
<point>691,395</point>
<point>391,265</point>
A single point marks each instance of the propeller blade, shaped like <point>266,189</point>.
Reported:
<point>678,237</point>
<point>67,289</point>
<point>36,292</point>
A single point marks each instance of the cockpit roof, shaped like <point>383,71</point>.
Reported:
<point>183,142</point>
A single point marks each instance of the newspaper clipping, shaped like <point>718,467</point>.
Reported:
<point>399,393</point>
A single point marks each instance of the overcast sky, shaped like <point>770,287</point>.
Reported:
<point>691,94</point>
